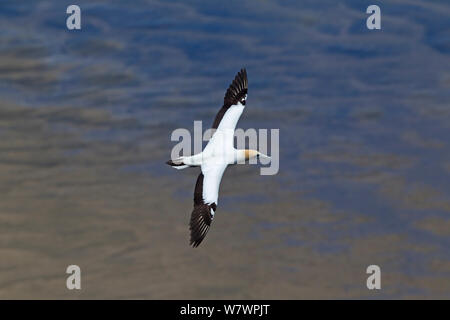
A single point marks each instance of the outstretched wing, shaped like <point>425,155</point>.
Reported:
<point>207,187</point>
<point>236,95</point>
<point>205,201</point>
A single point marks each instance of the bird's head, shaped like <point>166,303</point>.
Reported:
<point>250,154</point>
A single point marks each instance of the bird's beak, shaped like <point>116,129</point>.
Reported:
<point>263,156</point>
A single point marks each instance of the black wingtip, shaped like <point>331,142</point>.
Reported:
<point>195,244</point>
<point>200,223</point>
<point>175,164</point>
<point>237,89</point>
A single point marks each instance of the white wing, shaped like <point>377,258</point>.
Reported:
<point>228,116</point>
<point>212,175</point>
<point>219,147</point>
<point>236,95</point>
<point>205,201</point>
<point>231,117</point>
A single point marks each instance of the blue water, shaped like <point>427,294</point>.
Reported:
<point>363,115</point>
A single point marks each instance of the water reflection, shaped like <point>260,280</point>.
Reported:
<point>85,121</point>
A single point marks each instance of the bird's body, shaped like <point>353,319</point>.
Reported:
<point>217,155</point>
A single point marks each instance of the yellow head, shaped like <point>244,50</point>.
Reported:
<point>249,154</point>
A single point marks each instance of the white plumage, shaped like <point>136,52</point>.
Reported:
<point>217,155</point>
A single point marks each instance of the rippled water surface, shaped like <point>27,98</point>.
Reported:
<point>85,124</point>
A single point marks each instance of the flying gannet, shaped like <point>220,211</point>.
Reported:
<point>217,155</point>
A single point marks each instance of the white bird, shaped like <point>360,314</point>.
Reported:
<point>217,155</point>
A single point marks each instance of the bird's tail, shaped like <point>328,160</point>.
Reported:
<point>177,163</point>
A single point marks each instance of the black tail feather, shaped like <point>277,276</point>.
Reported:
<point>175,164</point>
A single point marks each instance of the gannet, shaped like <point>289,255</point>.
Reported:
<point>216,156</point>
